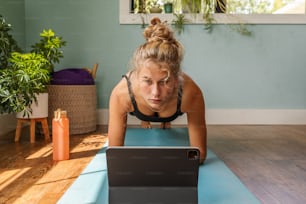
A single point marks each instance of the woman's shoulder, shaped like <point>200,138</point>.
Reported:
<point>192,93</point>
<point>120,92</point>
<point>189,85</point>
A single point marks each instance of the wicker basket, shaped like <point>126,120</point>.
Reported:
<point>80,102</point>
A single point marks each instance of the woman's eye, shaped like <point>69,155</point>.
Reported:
<point>163,82</point>
<point>147,81</point>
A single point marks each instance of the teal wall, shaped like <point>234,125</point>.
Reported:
<point>264,71</point>
<point>13,12</point>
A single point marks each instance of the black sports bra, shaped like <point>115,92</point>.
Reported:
<point>155,117</point>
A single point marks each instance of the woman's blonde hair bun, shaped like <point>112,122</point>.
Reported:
<point>158,31</point>
<point>160,47</point>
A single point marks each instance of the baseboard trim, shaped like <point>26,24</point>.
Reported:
<point>213,117</point>
<point>234,117</point>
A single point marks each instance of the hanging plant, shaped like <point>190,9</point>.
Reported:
<point>206,8</point>
<point>179,22</point>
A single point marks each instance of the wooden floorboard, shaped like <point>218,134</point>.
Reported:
<point>29,175</point>
<point>269,160</point>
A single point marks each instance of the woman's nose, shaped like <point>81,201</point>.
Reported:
<point>155,90</point>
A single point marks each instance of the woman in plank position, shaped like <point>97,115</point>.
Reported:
<point>156,90</point>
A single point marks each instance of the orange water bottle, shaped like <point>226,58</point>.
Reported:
<point>60,135</point>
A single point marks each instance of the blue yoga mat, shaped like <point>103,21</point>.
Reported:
<point>217,184</point>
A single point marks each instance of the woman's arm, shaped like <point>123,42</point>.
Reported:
<point>194,106</point>
<point>197,126</point>
<point>117,116</point>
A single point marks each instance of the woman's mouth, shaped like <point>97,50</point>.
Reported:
<point>155,101</point>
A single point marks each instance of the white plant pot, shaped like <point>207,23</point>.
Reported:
<point>39,108</point>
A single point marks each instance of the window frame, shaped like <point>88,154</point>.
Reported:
<point>125,17</point>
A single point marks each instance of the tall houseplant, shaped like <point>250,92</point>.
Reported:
<point>27,74</point>
<point>7,43</point>
<point>49,47</point>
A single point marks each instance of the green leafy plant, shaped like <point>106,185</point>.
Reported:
<point>206,8</point>
<point>49,47</point>
<point>7,43</point>
<point>24,75</point>
<point>208,16</point>
<point>153,6</point>
<point>139,6</point>
<point>192,6</point>
<point>27,76</point>
<point>179,22</point>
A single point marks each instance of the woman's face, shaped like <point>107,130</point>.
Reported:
<point>156,85</point>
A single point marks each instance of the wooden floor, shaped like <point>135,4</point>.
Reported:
<point>269,160</point>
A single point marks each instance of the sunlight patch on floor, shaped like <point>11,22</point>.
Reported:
<point>43,152</point>
<point>9,176</point>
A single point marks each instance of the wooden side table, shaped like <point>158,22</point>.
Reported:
<point>32,121</point>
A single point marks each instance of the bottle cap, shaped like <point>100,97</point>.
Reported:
<point>59,113</point>
<point>64,113</point>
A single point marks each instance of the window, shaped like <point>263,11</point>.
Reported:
<point>265,6</point>
<point>237,11</point>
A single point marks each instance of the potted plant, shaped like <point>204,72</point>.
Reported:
<point>48,48</point>
<point>168,6</point>
<point>25,75</point>
<point>153,6</point>
<point>206,8</point>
